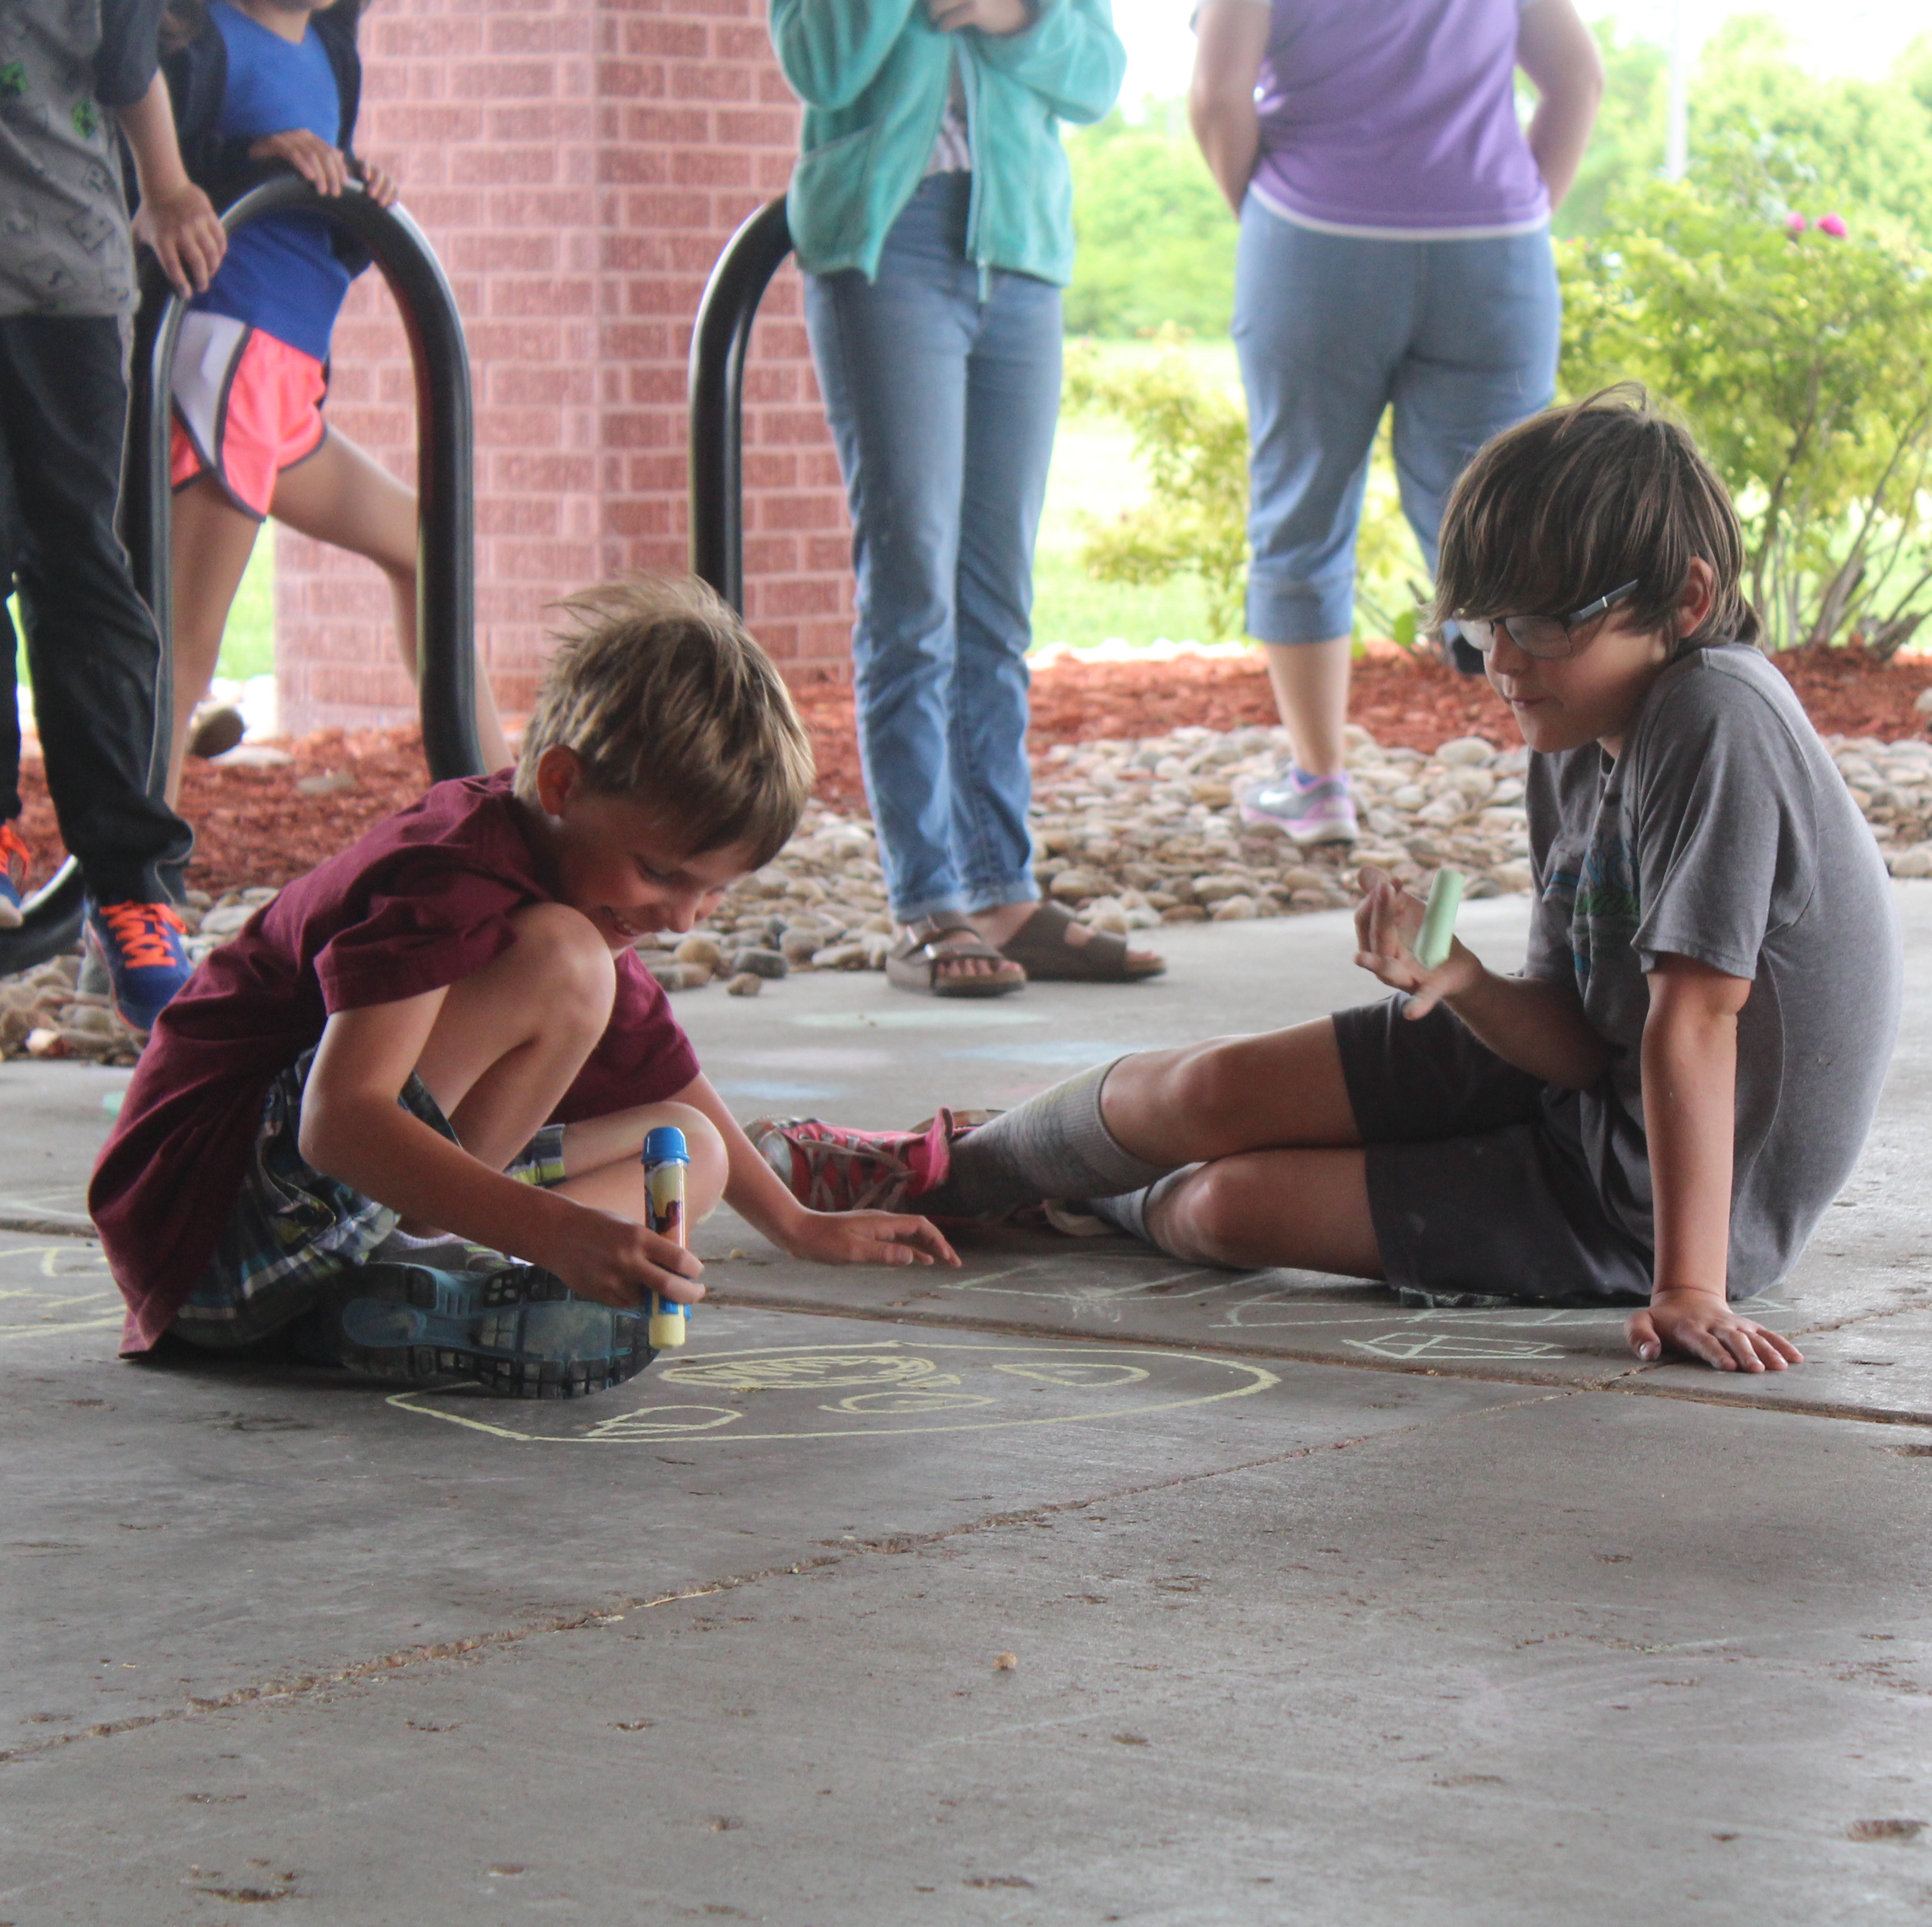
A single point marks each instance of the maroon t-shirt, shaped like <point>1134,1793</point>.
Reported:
<point>423,899</point>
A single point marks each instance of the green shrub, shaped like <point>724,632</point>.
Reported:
<point>1803,362</point>
<point>1190,438</point>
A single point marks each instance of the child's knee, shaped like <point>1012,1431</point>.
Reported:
<point>561,948</point>
<point>710,1163</point>
<point>1197,1217</point>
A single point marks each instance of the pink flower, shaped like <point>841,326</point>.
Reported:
<point>1795,223</point>
<point>1833,225</point>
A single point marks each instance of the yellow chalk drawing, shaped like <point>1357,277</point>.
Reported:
<point>1077,1374</point>
<point>900,1391</point>
<point>31,1308</point>
<point>662,1421</point>
<point>813,1371</point>
<point>913,1400</point>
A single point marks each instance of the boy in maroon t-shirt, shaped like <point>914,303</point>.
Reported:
<point>435,1054</point>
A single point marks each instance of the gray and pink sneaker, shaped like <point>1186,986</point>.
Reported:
<point>1310,809</point>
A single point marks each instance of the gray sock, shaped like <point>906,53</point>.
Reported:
<point>1128,1212</point>
<point>1055,1145</point>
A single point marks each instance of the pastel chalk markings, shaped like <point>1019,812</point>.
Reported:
<point>870,1391</point>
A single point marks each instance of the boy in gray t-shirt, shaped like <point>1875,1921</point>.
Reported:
<point>1723,834</point>
<point>1658,1110</point>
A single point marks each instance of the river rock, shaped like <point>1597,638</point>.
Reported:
<point>705,950</point>
<point>758,962</point>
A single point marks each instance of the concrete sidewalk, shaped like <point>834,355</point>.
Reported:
<point>1317,1610</point>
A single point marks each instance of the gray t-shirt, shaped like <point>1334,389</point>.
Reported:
<point>1723,832</point>
<point>64,248</point>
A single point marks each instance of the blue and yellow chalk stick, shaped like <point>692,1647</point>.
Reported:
<point>667,1157</point>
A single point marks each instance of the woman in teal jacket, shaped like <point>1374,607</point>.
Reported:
<point>931,211</point>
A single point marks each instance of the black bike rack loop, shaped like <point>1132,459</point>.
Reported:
<point>445,566</point>
<point>719,341</point>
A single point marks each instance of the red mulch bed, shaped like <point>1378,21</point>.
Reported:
<point>254,826</point>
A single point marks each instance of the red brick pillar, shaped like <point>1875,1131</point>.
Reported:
<point>577,165</point>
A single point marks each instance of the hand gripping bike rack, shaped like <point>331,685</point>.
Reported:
<point>719,342</point>
<point>445,569</point>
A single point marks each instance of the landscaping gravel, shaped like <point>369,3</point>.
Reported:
<point>1128,835</point>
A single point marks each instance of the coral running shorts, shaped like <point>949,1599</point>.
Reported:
<point>247,406</point>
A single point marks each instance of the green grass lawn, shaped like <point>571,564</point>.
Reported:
<point>1094,477</point>
<point>248,645</point>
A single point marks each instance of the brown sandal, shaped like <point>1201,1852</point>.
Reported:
<point>1039,946</point>
<point>915,962</point>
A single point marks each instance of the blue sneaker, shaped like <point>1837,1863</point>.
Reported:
<point>14,857</point>
<point>521,1332</point>
<point>1310,809</point>
<point>147,961</point>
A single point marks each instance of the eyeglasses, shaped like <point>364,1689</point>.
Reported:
<point>1548,638</point>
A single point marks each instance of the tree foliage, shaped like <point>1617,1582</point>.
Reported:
<point>1155,242</point>
<point>1803,360</point>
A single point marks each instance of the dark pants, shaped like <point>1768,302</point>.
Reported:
<point>91,641</point>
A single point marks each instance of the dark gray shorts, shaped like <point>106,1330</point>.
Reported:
<point>1474,1184</point>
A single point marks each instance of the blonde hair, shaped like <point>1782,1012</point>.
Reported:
<point>666,700</point>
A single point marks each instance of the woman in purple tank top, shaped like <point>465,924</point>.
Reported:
<point>1394,252</point>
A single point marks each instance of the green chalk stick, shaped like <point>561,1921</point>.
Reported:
<point>1438,921</point>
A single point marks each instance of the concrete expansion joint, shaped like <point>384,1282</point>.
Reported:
<point>58,1225</point>
<point>1694,1394</point>
<point>838,1552</point>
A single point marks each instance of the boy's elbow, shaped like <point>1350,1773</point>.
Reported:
<point>324,1134</point>
<point>313,1138</point>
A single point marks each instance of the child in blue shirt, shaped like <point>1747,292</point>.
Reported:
<point>256,81</point>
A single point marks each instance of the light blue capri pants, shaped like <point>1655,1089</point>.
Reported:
<point>1461,337</point>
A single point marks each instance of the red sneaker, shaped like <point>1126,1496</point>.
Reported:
<point>15,858</point>
<point>828,1167</point>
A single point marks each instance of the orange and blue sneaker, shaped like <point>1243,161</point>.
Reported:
<point>15,856</point>
<point>147,961</point>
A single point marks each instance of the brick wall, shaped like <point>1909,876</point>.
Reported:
<point>577,165</point>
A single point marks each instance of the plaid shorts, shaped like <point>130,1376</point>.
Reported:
<point>292,1228</point>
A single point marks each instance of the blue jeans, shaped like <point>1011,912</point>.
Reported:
<point>942,395</point>
<point>1461,337</point>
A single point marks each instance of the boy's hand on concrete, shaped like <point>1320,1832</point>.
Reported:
<point>869,1238</point>
<point>1388,920</point>
<point>1701,1324</point>
<point>616,1261</point>
<point>186,235</point>
<point>324,168</point>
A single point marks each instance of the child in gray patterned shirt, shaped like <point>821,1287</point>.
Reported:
<point>71,72</point>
